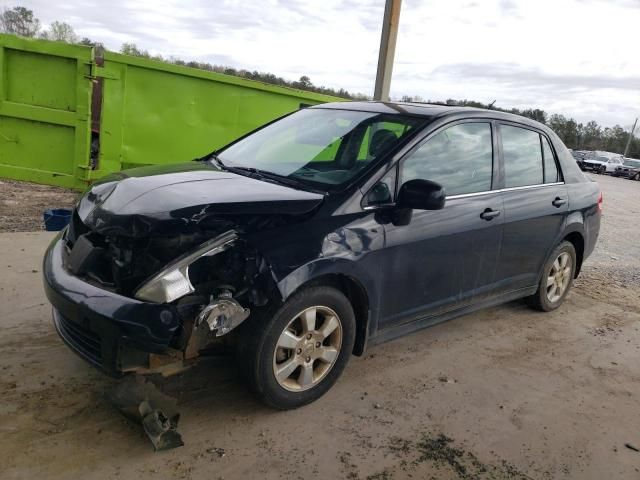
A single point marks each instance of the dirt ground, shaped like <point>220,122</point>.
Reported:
<point>22,204</point>
<point>506,393</point>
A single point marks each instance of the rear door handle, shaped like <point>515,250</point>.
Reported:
<point>558,202</point>
<point>489,214</point>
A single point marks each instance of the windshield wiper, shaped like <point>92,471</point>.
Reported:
<point>274,177</point>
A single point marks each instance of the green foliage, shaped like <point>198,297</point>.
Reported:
<point>87,42</point>
<point>19,21</point>
<point>22,22</point>
<point>60,32</point>
<point>132,49</point>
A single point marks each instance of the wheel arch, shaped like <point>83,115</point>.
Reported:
<point>343,277</point>
<point>576,238</point>
<point>358,297</point>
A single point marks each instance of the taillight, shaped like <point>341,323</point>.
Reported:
<point>600,200</point>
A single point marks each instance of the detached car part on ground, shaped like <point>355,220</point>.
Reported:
<point>329,230</point>
<point>629,169</point>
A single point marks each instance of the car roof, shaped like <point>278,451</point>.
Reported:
<point>428,110</point>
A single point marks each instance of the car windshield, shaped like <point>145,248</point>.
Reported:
<point>632,163</point>
<point>321,148</point>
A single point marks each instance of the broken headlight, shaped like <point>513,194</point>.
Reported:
<point>173,281</point>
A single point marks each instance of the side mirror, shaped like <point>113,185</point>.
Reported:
<point>379,194</point>
<point>421,194</point>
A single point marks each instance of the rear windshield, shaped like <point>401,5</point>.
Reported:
<point>324,148</point>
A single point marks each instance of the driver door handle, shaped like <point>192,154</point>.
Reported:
<point>489,214</point>
<point>558,202</point>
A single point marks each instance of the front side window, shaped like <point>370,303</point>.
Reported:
<point>460,158</point>
<point>324,148</point>
<point>522,156</point>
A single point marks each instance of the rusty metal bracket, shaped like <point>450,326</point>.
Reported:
<point>140,400</point>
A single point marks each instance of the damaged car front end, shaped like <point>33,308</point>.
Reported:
<point>138,288</point>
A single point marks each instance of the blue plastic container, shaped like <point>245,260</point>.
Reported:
<point>55,219</point>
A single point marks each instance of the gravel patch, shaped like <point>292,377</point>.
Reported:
<point>22,204</point>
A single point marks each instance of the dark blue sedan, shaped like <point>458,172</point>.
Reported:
<point>316,236</point>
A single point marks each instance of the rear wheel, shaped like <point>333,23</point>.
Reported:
<point>557,278</point>
<point>294,356</point>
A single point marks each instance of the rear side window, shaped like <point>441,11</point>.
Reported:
<point>460,158</point>
<point>550,167</point>
<point>522,156</point>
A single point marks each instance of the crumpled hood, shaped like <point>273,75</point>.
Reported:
<point>139,201</point>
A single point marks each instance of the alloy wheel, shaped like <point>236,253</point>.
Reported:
<point>559,277</point>
<point>307,348</point>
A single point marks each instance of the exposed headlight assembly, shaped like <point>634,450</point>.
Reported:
<point>173,281</point>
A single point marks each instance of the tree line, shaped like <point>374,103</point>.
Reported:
<point>578,136</point>
<point>304,83</point>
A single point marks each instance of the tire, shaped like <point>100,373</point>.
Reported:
<point>547,297</point>
<point>260,356</point>
<point>637,177</point>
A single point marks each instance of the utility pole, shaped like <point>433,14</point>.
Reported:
<point>633,129</point>
<point>387,49</point>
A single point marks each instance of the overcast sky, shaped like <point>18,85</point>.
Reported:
<point>577,57</point>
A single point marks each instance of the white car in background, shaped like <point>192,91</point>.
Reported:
<point>602,164</point>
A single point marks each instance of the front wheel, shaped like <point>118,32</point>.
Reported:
<point>293,357</point>
<point>557,278</point>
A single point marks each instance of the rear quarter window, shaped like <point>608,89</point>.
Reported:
<point>551,174</point>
